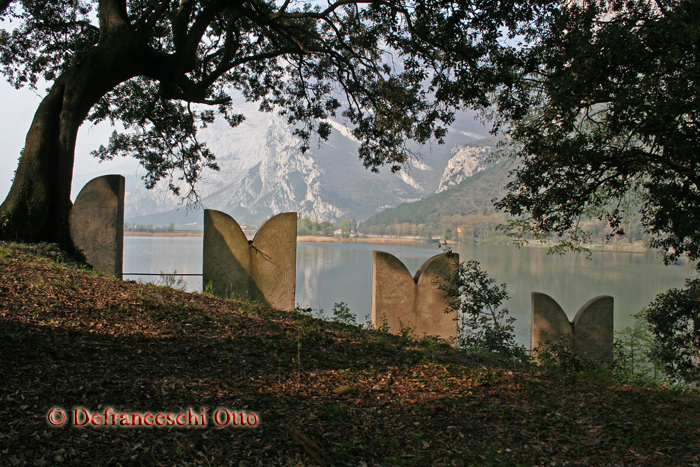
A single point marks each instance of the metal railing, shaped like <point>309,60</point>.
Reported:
<point>157,274</point>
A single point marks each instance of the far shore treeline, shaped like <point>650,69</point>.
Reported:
<point>462,213</point>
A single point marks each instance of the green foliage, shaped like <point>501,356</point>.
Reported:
<point>559,357</point>
<point>160,57</point>
<point>305,226</point>
<point>346,227</point>
<point>5,218</point>
<point>309,312</point>
<point>249,306</point>
<point>172,280</point>
<point>208,288</point>
<point>342,314</point>
<point>367,325</point>
<point>432,345</point>
<point>674,318</point>
<point>605,122</point>
<point>406,332</point>
<point>485,326</point>
<point>634,360</point>
<point>384,327</point>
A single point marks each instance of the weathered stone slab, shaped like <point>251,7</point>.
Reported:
<point>262,270</point>
<point>549,321</point>
<point>590,334</point>
<point>593,328</point>
<point>96,223</point>
<point>416,302</point>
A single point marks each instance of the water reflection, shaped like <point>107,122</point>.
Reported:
<point>164,254</point>
<point>328,273</point>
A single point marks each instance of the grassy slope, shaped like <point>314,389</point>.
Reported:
<point>70,338</point>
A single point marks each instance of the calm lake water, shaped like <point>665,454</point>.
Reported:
<point>328,273</point>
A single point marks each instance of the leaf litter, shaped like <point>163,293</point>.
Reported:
<point>325,393</point>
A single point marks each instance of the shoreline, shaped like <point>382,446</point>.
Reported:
<point>593,247</point>
<point>322,239</point>
<point>164,234</point>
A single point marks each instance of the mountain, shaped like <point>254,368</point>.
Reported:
<point>473,196</point>
<point>468,160</point>
<point>263,172</point>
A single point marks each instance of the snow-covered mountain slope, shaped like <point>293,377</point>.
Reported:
<point>263,172</point>
<point>467,161</point>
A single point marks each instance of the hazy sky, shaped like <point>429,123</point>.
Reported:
<point>18,109</point>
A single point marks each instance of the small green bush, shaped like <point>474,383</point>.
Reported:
<point>484,324</point>
<point>342,314</point>
<point>634,360</point>
<point>559,357</point>
<point>674,317</point>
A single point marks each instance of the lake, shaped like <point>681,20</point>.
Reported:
<point>328,273</point>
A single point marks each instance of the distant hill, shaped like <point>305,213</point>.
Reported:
<point>466,211</point>
<point>468,204</point>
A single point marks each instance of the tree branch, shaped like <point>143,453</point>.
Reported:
<point>6,3</point>
<point>187,50</point>
<point>676,167</point>
<point>322,14</point>
<point>148,21</point>
<point>179,23</point>
<point>281,10</point>
<point>113,17</point>
<point>210,79</point>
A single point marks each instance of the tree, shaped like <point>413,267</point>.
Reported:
<point>394,69</point>
<point>675,324</point>
<point>345,227</point>
<point>604,115</point>
<point>484,325</point>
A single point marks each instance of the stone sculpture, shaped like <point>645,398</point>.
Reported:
<point>590,334</point>
<point>262,270</point>
<point>96,223</point>
<point>416,302</point>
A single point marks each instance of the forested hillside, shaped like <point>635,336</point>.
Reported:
<point>466,212</point>
<point>467,206</point>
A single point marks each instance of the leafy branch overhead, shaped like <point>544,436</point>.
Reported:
<point>605,119</point>
<point>387,67</point>
<point>394,70</point>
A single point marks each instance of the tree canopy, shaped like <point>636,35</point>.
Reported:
<point>605,116</point>
<point>395,70</point>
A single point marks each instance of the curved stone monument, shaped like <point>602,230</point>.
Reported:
<point>96,223</point>
<point>263,269</point>
<point>416,302</point>
<point>590,334</point>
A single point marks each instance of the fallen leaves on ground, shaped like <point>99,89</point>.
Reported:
<point>325,394</point>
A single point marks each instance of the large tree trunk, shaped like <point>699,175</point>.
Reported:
<point>37,207</point>
<point>38,204</point>
<point>26,208</point>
